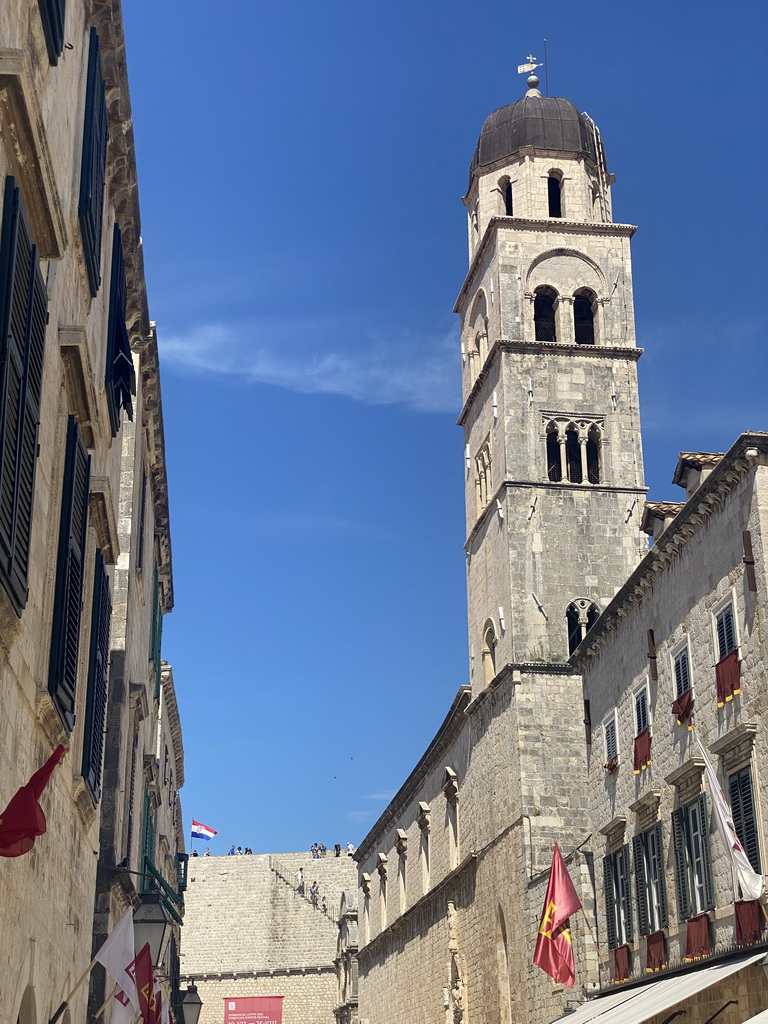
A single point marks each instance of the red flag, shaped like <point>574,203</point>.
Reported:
<point>144,976</point>
<point>554,952</point>
<point>23,820</point>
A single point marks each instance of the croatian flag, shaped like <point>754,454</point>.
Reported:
<point>201,831</point>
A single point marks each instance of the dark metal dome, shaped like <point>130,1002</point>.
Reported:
<point>545,122</point>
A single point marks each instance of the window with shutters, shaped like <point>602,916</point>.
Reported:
<point>650,885</point>
<point>119,378</point>
<point>682,668</point>
<point>157,633</point>
<point>725,627</point>
<point>68,595</point>
<point>741,795</point>
<point>98,668</point>
<point>693,870</point>
<point>618,902</point>
<point>642,719</point>
<point>611,742</point>
<point>23,319</point>
<point>52,14</point>
<point>147,842</point>
<point>93,167</point>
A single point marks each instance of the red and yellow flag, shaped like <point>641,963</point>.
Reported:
<point>23,819</point>
<point>554,952</point>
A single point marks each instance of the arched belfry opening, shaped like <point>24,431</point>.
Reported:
<point>544,301</point>
<point>573,454</point>
<point>554,463</point>
<point>593,455</point>
<point>555,194</point>
<point>505,188</point>
<point>580,616</point>
<point>489,653</point>
<point>584,317</point>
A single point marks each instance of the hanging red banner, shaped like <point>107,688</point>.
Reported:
<point>254,1010</point>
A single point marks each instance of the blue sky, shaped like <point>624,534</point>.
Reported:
<point>301,167</point>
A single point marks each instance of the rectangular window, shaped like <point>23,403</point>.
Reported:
<point>695,888</point>
<point>147,842</point>
<point>119,378</point>
<point>142,519</point>
<point>52,16</point>
<point>157,634</point>
<point>650,886</point>
<point>641,710</point>
<point>743,809</point>
<point>98,668</point>
<point>94,162</point>
<point>611,745</point>
<point>483,484</point>
<point>682,673</point>
<point>618,904</point>
<point>726,632</point>
<point>68,596</point>
<point>23,319</point>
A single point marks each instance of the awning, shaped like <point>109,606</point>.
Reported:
<point>637,1005</point>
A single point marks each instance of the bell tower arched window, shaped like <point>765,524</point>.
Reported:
<point>505,188</point>
<point>580,616</point>
<point>584,317</point>
<point>554,465</point>
<point>555,195</point>
<point>544,314</point>
<point>489,653</point>
<point>593,455</point>
<point>573,455</point>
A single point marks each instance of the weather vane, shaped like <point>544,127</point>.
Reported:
<point>530,66</point>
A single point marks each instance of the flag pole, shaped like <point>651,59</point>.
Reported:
<point>80,981</point>
<point>103,1006</point>
<point>603,962</point>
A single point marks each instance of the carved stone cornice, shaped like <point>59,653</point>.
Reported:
<point>78,381</point>
<point>401,843</point>
<point>50,720</point>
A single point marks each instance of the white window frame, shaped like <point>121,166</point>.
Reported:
<point>612,720</point>
<point>635,694</point>
<point>679,649</point>
<point>728,599</point>
<point>696,836</point>
<point>622,893</point>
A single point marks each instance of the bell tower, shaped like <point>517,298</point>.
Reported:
<point>552,456</point>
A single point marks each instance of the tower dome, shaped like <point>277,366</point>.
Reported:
<point>543,122</point>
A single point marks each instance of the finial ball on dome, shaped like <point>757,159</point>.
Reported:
<point>533,81</point>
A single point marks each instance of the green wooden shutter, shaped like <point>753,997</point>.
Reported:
<point>743,809</point>
<point>681,871</point>
<point>682,673</point>
<point>157,633</point>
<point>709,885</point>
<point>726,632</point>
<point>609,893</point>
<point>52,16</point>
<point>119,378</point>
<point>627,893</point>
<point>23,320</point>
<point>65,640</point>
<point>641,882</point>
<point>147,840</point>
<point>94,162</point>
<point>662,881</point>
<point>98,667</point>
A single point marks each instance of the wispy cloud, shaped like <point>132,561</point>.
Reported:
<point>386,797</point>
<point>327,356</point>
<point>359,816</point>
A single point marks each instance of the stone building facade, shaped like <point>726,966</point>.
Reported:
<point>452,877</point>
<point>85,559</point>
<point>249,932</point>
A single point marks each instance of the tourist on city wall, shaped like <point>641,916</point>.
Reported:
<point>350,849</point>
<point>322,850</point>
<point>231,851</point>
<point>300,881</point>
<point>194,853</point>
<point>324,905</point>
<point>207,853</point>
<point>239,851</point>
<point>314,891</point>
<point>315,851</point>
<point>337,849</point>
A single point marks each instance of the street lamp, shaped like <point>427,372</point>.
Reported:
<point>152,924</point>
<point>191,1004</point>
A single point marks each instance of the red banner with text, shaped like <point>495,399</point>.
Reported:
<point>254,1010</point>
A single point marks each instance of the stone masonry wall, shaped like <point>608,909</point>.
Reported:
<point>248,933</point>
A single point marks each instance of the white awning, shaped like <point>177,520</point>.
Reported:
<point>637,1005</point>
<point>759,1018</point>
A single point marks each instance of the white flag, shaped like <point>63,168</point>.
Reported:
<point>752,884</point>
<point>116,956</point>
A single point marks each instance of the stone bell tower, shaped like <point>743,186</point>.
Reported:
<point>552,457</point>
